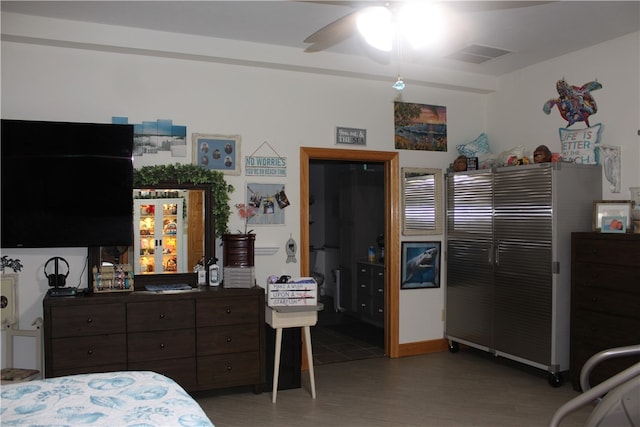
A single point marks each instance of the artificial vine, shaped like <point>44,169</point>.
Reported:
<point>191,174</point>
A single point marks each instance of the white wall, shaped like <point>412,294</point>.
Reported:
<point>515,110</point>
<point>287,109</point>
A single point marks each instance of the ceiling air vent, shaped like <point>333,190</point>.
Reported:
<point>477,54</point>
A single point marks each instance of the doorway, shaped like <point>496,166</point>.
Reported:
<point>346,223</point>
<point>390,163</point>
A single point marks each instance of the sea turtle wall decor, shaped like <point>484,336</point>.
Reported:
<point>575,103</point>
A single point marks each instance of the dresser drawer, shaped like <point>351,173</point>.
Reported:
<point>161,345</point>
<point>603,370</point>
<point>377,277</point>
<point>227,311</point>
<point>364,290</point>
<point>614,277</point>
<point>609,251</point>
<point>621,304</point>
<point>160,315</point>
<point>182,371</point>
<point>229,370</point>
<point>228,339</point>
<point>81,320</point>
<point>364,306</point>
<point>98,350</point>
<point>378,305</point>
<point>603,330</point>
<point>88,369</point>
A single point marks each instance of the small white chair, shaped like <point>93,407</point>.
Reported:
<point>10,374</point>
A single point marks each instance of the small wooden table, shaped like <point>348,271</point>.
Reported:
<point>292,317</point>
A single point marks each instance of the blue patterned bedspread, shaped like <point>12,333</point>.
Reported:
<point>113,399</point>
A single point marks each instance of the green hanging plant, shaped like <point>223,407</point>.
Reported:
<point>191,174</point>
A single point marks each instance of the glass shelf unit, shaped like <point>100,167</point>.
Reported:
<point>158,236</point>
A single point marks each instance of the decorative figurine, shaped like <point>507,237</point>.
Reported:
<point>460,164</point>
<point>291,248</point>
<point>542,154</point>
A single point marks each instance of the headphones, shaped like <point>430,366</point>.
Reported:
<point>56,279</point>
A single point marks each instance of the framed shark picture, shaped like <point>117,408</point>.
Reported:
<point>420,265</point>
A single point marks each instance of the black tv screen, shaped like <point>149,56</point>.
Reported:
<point>66,184</point>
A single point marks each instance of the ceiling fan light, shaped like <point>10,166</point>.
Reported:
<point>376,26</point>
<point>422,24</point>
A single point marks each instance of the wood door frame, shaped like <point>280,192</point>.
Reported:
<point>391,163</point>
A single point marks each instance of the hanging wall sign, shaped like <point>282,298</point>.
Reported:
<point>265,165</point>
<point>351,136</point>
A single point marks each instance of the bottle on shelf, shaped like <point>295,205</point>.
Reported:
<point>213,272</point>
<point>201,272</point>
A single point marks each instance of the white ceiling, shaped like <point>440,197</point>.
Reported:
<point>532,32</point>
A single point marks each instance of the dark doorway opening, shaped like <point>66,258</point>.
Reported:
<point>346,223</point>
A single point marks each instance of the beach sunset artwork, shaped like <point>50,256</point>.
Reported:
<point>420,127</point>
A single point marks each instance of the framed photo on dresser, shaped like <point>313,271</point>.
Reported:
<point>612,208</point>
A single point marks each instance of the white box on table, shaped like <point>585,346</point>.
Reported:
<point>299,291</point>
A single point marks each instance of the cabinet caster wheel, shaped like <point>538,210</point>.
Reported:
<point>453,347</point>
<point>555,380</point>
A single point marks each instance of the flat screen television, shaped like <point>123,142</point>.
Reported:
<point>66,184</point>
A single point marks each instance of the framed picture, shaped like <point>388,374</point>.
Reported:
<point>267,202</point>
<point>217,152</point>
<point>420,265</point>
<point>9,299</point>
<point>614,224</point>
<point>610,208</point>
<point>420,126</point>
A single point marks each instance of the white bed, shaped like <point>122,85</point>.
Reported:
<point>113,399</point>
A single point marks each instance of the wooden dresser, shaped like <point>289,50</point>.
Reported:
<point>605,300</point>
<point>370,278</point>
<point>204,339</point>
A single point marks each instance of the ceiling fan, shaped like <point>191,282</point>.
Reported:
<point>348,25</point>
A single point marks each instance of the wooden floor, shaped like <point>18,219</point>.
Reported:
<point>468,388</point>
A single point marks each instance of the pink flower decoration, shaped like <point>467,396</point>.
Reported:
<point>245,213</point>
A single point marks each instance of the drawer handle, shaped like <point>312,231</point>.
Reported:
<point>162,345</point>
<point>89,320</point>
<point>380,290</point>
<point>363,286</point>
<point>90,352</point>
<point>228,310</point>
<point>228,339</point>
<point>229,367</point>
<point>162,316</point>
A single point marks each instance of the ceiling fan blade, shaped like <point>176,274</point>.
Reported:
<point>471,6</point>
<point>333,33</point>
<point>345,27</point>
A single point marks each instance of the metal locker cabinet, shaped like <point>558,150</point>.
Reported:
<point>469,290</point>
<point>508,289</point>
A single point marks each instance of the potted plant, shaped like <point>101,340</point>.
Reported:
<point>239,248</point>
